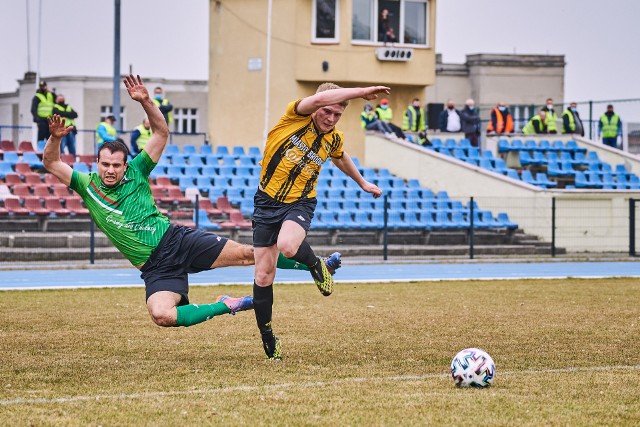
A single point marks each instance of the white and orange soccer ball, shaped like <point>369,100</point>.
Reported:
<point>473,367</point>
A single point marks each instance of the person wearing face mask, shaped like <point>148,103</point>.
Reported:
<point>571,122</point>
<point>501,121</point>
<point>385,114</point>
<point>449,120</point>
<point>413,119</point>
<point>470,122</point>
<point>552,117</point>
<point>105,131</point>
<point>369,121</point>
<point>163,104</point>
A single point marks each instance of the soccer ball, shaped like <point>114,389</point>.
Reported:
<point>473,367</point>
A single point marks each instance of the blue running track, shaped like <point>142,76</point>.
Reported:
<point>117,277</point>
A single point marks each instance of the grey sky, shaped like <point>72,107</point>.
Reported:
<point>168,38</point>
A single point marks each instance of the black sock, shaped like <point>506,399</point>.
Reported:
<point>263,308</point>
<point>305,255</point>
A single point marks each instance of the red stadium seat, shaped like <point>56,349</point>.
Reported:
<point>21,190</point>
<point>50,179</point>
<point>13,206</point>
<point>6,145</point>
<point>33,205</point>
<point>75,206</point>
<point>207,206</point>
<point>158,193</point>
<point>32,179</point>
<point>41,190</point>
<point>26,147</point>
<point>236,220</point>
<point>23,168</point>
<point>13,179</point>
<point>53,205</point>
<point>163,181</point>
<point>87,159</point>
<point>174,195</point>
<point>223,204</point>
<point>69,159</point>
<point>62,192</point>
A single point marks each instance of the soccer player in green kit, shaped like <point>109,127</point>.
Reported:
<point>120,202</point>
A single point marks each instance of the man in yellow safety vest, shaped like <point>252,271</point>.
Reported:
<point>610,127</point>
<point>42,108</point>
<point>69,114</point>
<point>140,136</point>
<point>163,104</point>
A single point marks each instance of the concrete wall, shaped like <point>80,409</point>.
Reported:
<point>237,95</point>
<point>587,220</point>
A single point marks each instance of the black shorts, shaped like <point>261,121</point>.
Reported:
<point>269,214</point>
<point>181,251</point>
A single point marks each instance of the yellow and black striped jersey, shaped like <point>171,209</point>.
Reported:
<point>294,154</point>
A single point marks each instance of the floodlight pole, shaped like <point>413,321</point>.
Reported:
<point>268,74</point>
<point>115,110</point>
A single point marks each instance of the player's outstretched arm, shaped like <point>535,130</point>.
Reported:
<point>51,154</point>
<point>346,165</point>
<point>311,103</point>
<point>157,142</point>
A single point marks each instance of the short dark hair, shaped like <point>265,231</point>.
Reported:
<point>609,106</point>
<point>115,146</point>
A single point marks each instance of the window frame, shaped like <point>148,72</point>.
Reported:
<point>107,110</point>
<point>185,113</point>
<point>314,22</point>
<point>375,5</point>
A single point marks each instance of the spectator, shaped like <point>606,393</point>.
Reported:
<point>450,119</point>
<point>385,113</point>
<point>69,114</point>
<point>105,131</point>
<point>413,119</point>
<point>537,124</point>
<point>552,117</point>
<point>41,108</point>
<point>501,121</point>
<point>369,121</point>
<point>386,33</point>
<point>571,122</point>
<point>163,103</point>
<point>610,127</point>
<point>140,136</point>
<point>470,122</point>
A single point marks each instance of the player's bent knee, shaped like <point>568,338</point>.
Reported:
<point>288,248</point>
<point>162,317</point>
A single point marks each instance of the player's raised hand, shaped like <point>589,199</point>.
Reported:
<point>135,87</point>
<point>57,127</point>
<point>372,189</point>
<point>372,92</point>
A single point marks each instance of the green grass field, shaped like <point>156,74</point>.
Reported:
<point>567,352</point>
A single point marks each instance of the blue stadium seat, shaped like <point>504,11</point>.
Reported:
<point>171,149</point>
<point>227,170</point>
<point>530,145</point>
<point>78,166</point>
<point>246,161</point>
<point>215,192</point>
<point>487,154</point>
<point>192,171</point>
<point>504,221</point>
<point>228,160</point>
<point>212,160</point>
<point>527,177</point>
<point>581,180</point>
<point>254,151</point>
<point>500,166</point>
<point>573,146</point>
<point>239,182</point>
<point>525,158</point>
<point>436,144</point>
<point>204,222</point>
<point>156,172</point>
<point>174,172</point>
<point>458,220</point>
<point>345,220</point>
<point>256,170</point>
<point>450,144</point>
<point>488,164</point>
<point>178,161</point>
<point>516,145</point>
<point>32,159</point>
<point>184,182</point>
<point>538,158</point>
<point>246,207</point>
<point>503,146</point>
<point>235,195</point>
<point>384,173</point>
<point>363,219</point>
<point>544,181</point>
<point>473,153</point>
<point>244,171</point>
<point>189,149</point>
<point>459,154</point>
<point>11,157</point>
<point>222,150</point>
<point>412,220</point>
<point>543,145</point>
<point>195,160</point>
<point>335,193</point>
<point>238,151</point>
<point>552,156</point>
<point>464,143</point>
<point>352,194</point>
<point>41,145</point>
<point>206,149</point>
<point>338,182</point>
<point>558,145</point>
<point>203,183</point>
<point>513,174</point>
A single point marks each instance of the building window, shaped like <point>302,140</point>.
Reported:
<point>185,120</point>
<point>390,21</point>
<point>325,21</point>
<point>107,110</point>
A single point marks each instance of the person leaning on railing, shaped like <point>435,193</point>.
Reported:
<point>537,124</point>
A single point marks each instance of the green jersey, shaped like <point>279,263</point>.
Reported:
<point>126,213</point>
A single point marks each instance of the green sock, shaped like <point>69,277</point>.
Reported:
<point>193,314</point>
<point>289,264</point>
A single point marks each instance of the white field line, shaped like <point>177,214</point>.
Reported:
<point>348,281</point>
<point>312,384</point>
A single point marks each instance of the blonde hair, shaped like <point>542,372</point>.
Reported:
<point>331,86</point>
